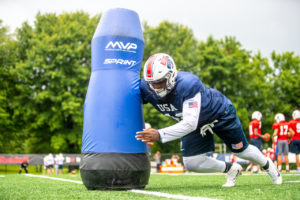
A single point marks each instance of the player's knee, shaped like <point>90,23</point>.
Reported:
<point>194,163</point>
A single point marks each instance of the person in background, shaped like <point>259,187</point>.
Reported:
<point>255,135</point>
<point>45,166</point>
<point>50,164</point>
<point>281,129</point>
<point>200,112</point>
<point>24,165</point>
<point>59,160</point>
<point>157,158</point>
<point>149,144</point>
<point>294,128</point>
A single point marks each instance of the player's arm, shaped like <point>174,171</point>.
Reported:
<point>189,122</point>
<point>258,135</point>
<point>274,134</point>
<point>292,132</point>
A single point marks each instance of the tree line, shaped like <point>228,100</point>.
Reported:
<point>45,69</point>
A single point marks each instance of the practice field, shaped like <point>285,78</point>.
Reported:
<point>161,186</point>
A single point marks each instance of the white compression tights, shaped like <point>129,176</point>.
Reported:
<point>253,154</point>
<point>203,163</point>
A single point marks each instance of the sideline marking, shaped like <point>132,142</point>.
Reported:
<point>218,174</point>
<point>58,179</point>
<point>174,196</point>
<point>292,181</point>
<point>2,176</point>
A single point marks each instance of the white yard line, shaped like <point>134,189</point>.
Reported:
<point>53,178</point>
<point>159,194</point>
<point>219,174</point>
<point>292,181</point>
<point>173,196</point>
<point>2,176</point>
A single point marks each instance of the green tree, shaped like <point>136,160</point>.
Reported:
<point>53,75</point>
<point>9,124</point>
<point>286,84</point>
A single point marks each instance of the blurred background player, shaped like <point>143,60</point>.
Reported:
<point>281,131</point>
<point>294,128</point>
<point>24,165</point>
<point>149,144</point>
<point>255,136</point>
<point>157,158</point>
<point>49,163</point>
<point>59,160</point>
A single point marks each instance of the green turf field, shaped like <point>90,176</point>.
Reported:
<point>249,186</point>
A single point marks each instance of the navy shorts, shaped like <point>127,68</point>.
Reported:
<point>230,130</point>
<point>295,146</point>
<point>49,167</point>
<point>256,142</point>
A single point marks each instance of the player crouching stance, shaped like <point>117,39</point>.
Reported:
<point>200,112</point>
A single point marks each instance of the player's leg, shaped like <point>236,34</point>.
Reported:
<point>295,148</point>
<point>205,164</point>
<point>230,130</point>
<point>285,153</point>
<point>297,163</point>
<point>194,148</point>
<point>280,152</point>
<point>257,143</point>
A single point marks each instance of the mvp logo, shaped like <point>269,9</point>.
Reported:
<point>120,46</point>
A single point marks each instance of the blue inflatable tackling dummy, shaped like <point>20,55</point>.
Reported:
<point>112,157</point>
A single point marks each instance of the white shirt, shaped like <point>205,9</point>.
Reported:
<point>59,160</point>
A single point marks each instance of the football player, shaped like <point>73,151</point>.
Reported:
<point>255,133</point>
<point>294,128</point>
<point>281,129</point>
<point>200,112</point>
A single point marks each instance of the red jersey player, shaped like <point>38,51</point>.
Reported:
<point>255,134</point>
<point>281,131</point>
<point>294,128</point>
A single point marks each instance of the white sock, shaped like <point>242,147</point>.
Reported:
<point>279,167</point>
<point>203,163</point>
<point>287,167</point>
<point>253,154</point>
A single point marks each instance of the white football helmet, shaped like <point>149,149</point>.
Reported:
<point>256,115</point>
<point>296,114</point>
<point>160,67</point>
<point>279,117</point>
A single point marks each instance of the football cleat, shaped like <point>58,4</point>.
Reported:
<point>232,175</point>
<point>274,173</point>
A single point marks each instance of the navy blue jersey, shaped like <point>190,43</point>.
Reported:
<point>213,103</point>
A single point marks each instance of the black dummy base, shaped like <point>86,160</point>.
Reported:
<point>115,171</point>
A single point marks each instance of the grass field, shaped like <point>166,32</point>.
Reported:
<point>249,186</point>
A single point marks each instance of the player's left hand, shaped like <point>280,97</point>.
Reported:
<point>208,127</point>
<point>147,135</point>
